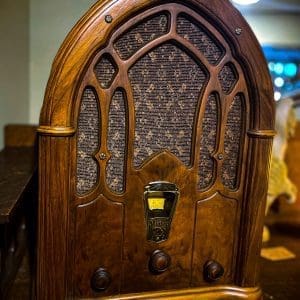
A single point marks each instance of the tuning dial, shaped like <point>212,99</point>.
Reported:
<point>101,280</point>
<point>159,262</point>
<point>213,271</point>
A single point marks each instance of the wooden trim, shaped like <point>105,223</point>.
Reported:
<point>253,212</point>
<point>92,32</point>
<point>53,217</point>
<point>218,292</point>
<point>56,131</point>
<point>256,133</point>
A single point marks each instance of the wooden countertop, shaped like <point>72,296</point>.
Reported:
<point>16,170</point>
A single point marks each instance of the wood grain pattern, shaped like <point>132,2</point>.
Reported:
<point>137,250</point>
<point>98,244</point>
<point>53,217</point>
<point>253,212</point>
<point>78,234</point>
<point>216,230</point>
<point>209,293</point>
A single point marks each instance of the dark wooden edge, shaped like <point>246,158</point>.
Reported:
<point>217,292</point>
<point>18,202</point>
<point>53,217</point>
<point>18,167</point>
<point>19,239</point>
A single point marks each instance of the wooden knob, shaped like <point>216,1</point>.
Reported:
<point>101,280</point>
<point>213,271</point>
<point>159,262</point>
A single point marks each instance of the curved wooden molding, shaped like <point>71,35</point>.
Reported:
<point>219,292</point>
<point>261,133</point>
<point>91,33</point>
<point>56,131</point>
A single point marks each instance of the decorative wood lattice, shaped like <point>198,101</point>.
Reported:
<point>140,35</point>
<point>210,126</point>
<point>167,82</point>
<point>105,71</point>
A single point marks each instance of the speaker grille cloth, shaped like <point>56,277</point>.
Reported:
<point>208,142</point>
<point>116,143</point>
<point>87,141</point>
<point>228,78</point>
<point>232,143</point>
<point>105,71</point>
<point>166,86</point>
<point>200,38</point>
<point>140,35</point>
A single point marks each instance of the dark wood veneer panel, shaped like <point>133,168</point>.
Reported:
<point>98,243</point>
<point>215,237</point>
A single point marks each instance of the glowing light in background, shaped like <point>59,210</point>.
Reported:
<point>284,67</point>
<point>279,82</point>
<point>278,68</point>
<point>277,96</point>
<point>271,66</point>
<point>245,2</point>
<point>290,70</point>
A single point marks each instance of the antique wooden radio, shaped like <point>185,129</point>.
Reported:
<point>155,139</point>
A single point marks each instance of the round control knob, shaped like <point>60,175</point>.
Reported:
<point>159,262</point>
<point>101,280</point>
<point>213,271</point>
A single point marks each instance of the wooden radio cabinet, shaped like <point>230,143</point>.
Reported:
<point>155,140</point>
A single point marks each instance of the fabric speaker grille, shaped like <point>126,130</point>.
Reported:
<point>88,136</point>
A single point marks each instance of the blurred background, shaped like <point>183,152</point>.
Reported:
<point>31,32</point>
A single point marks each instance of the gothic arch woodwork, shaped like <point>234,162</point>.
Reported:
<point>154,93</point>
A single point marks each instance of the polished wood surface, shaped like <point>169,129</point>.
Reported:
<point>207,293</point>
<point>279,280</point>
<point>101,235</point>
<point>92,32</point>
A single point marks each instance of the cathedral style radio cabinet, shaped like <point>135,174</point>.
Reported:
<point>155,142</point>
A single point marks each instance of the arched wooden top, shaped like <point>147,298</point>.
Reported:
<point>93,30</point>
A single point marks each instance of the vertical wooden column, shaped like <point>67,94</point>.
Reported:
<point>253,209</point>
<point>54,169</point>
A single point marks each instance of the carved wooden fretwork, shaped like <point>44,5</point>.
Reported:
<point>166,65</point>
<point>155,142</point>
